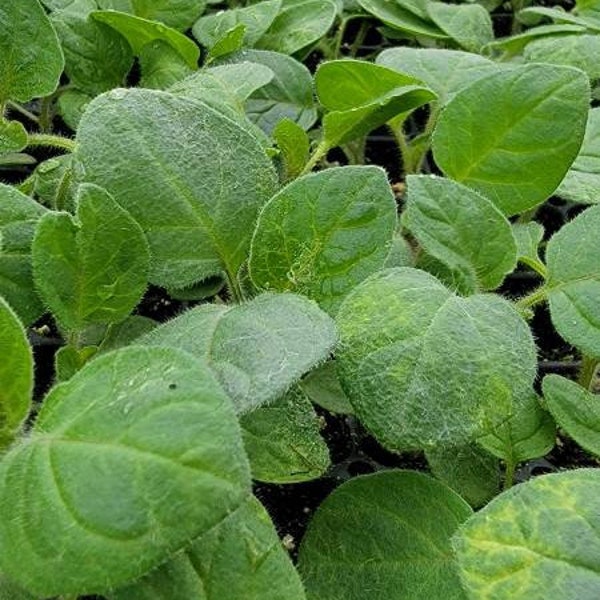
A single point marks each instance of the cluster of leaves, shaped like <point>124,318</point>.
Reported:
<point>133,477</point>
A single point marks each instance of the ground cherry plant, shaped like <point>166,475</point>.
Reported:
<point>217,161</point>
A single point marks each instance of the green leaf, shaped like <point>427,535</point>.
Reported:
<point>13,136</point>
<point>513,135</point>
<point>126,332</point>
<point>528,432</point>
<point>575,409</point>
<point>537,541</point>
<point>401,253</point>
<point>294,145</point>
<point>390,355</point>
<point>288,95</point>
<point>240,559</point>
<point>139,32</point>
<point>55,182</point>
<point>572,50</point>
<point>231,41</point>
<point>573,284</point>
<point>283,440</point>
<point>582,182</point>
<point>71,106</point>
<point>362,96</point>
<point>469,25</point>
<point>200,291</point>
<point>461,228</point>
<point>178,14</point>
<point>16,373</point>
<point>256,18</point>
<point>528,237</point>
<point>198,214</point>
<point>398,17</point>
<point>123,477</point>
<point>322,386</point>
<point>468,470</point>
<point>18,217</point>
<point>534,14</point>
<point>446,72</point>
<point>69,359</point>
<point>101,257</point>
<point>384,536</point>
<point>97,58</point>
<point>32,60</point>
<point>258,349</point>
<point>324,233</point>
<point>515,44</point>
<point>161,65</point>
<point>10,591</point>
<point>298,24</point>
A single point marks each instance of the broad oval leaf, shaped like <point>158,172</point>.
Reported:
<point>575,409</point>
<point>469,25</point>
<point>362,96</point>
<point>179,14</point>
<point>384,536</point>
<point>391,327</point>
<point>283,440</point>
<point>258,349</point>
<point>13,136</point>
<point>139,32</point>
<point>446,72</point>
<point>515,44</point>
<point>97,58</point>
<point>134,456</point>
<point>16,373</point>
<point>298,24</point>
<point>192,178</point>
<point>582,182</point>
<point>101,258</point>
<point>162,66</point>
<point>240,559</point>
<point>513,135</point>
<point>256,19</point>
<point>322,386</point>
<point>573,284</point>
<point>19,215</point>
<point>32,60</point>
<point>461,228</point>
<point>537,541</point>
<point>324,233</point>
<point>288,95</point>
<point>397,16</point>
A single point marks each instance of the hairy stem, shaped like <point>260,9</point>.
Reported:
<point>20,109</point>
<point>587,372</point>
<point>319,153</point>
<point>54,141</point>
<point>535,297</point>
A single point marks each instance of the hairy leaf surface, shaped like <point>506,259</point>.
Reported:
<point>384,536</point>
<point>134,456</point>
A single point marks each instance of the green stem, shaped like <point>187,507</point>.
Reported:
<point>427,132</point>
<point>359,39</point>
<point>587,372</point>
<point>26,187</point>
<point>45,118</point>
<point>517,5</point>
<point>537,296</point>
<point>404,150</point>
<point>537,265</point>
<point>18,108</point>
<point>509,473</point>
<point>320,152</point>
<point>339,38</point>
<point>54,141</point>
<point>235,288</point>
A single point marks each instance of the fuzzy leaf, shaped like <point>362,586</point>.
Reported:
<point>13,136</point>
<point>16,373</point>
<point>573,259</point>
<point>101,256</point>
<point>324,233</point>
<point>582,182</point>
<point>162,66</point>
<point>322,386</point>
<point>361,96</point>
<point>537,541</point>
<point>446,72</point>
<point>139,32</point>
<point>294,144</point>
<point>18,217</point>
<point>153,460</point>
<point>240,559</point>
<point>528,237</point>
<point>513,135</point>
<point>298,24</point>
<point>384,536</point>
<point>461,228</point>
<point>576,410</point>
<point>283,441</point>
<point>258,349</point>
<point>469,25</point>
<point>390,356</point>
<point>192,178</point>
<point>32,60</point>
